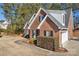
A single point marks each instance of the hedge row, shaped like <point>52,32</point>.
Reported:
<point>49,43</point>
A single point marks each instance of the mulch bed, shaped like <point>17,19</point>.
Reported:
<point>61,50</point>
<point>28,42</point>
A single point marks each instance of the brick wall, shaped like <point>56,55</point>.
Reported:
<point>49,26</point>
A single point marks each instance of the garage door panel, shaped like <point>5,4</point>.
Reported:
<point>64,36</point>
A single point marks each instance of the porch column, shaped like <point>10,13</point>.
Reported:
<point>60,39</point>
<point>30,33</point>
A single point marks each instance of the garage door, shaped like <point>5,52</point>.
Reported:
<point>64,36</point>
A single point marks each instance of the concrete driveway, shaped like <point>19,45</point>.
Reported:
<point>12,46</point>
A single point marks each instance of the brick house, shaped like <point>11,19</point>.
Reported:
<point>54,23</point>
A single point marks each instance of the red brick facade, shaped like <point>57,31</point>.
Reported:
<point>48,25</point>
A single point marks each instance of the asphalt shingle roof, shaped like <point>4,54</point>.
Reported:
<point>66,12</point>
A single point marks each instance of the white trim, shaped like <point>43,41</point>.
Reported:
<point>25,25</point>
<point>42,22</point>
<point>28,21</point>
<point>63,28</point>
<point>34,18</point>
<point>31,18</point>
<point>63,16</point>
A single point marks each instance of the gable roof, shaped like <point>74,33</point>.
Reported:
<point>68,13</point>
<point>58,15</point>
<point>28,22</point>
<point>56,22</point>
<point>52,18</point>
<point>34,18</point>
<point>56,11</point>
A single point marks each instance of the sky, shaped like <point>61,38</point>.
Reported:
<point>1,13</point>
<point>76,14</point>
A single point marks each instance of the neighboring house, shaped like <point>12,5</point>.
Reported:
<point>4,25</point>
<point>54,23</point>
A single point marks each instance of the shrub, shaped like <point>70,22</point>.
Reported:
<point>32,41</point>
<point>49,43</point>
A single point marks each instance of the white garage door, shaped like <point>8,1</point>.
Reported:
<point>64,36</point>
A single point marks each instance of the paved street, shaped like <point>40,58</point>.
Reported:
<point>12,46</point>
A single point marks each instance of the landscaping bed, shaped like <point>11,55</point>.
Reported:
<point>49,43</point>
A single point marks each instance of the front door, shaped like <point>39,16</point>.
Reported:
<point>35,33</point>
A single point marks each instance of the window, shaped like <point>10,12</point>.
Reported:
<point>44,33</point>
<point>35,33</point>
<point>48,33</point>
<point>41,18</point>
